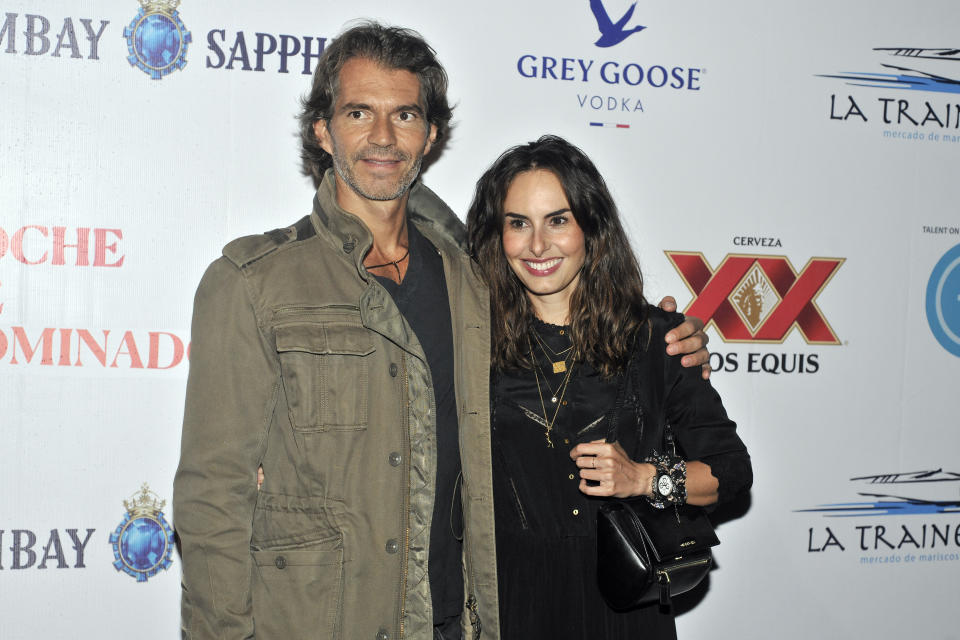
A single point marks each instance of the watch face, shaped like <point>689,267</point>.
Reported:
<point>665,485</point>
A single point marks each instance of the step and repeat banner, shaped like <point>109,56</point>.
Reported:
<point>786,171</point>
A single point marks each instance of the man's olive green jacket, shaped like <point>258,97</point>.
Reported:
<point>301,363</point>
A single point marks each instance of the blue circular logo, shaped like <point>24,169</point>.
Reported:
<point>943,301</point>
<point>143,543</point>
<point>157,42</point>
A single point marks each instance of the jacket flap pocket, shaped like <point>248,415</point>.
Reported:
<point>291,522</point>
<point>324,339</point>
<point>297,558</point>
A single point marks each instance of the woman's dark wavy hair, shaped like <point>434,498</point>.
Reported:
<point>391,47</point>
<point>607,308</point>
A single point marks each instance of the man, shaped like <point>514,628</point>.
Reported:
<point>348,356</point>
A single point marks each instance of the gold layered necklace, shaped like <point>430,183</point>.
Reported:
<point>559,365</point>
<point>556,396</point>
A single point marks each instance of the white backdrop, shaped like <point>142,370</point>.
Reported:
<point>778,135</point>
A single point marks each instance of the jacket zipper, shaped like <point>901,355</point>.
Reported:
<point>472,604</point>
<point>406,511</point>
<point>454,297</point>
<point>405,431</point>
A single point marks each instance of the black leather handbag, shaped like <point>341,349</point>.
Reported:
<point>645,553</point>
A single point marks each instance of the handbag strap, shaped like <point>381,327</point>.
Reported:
<point>613,415</point>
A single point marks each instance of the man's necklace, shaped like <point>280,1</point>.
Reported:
<point>395,263</point>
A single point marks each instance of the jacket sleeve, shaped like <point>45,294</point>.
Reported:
<point>703,430</point>
<point>231,390</point>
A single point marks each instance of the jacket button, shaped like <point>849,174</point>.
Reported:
<point>392,546</point>
<point>395,459</point>
<point>383,635</point>
<point>280,562</point>
<point>348,246</point>
<point>394,369</point>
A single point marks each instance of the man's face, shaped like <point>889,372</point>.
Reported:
<point>378,133</point>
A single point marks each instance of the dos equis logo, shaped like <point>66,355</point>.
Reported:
<point>157,38</point>
<point>758,298</point>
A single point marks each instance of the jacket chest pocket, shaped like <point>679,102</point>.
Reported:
<point>326,370</point>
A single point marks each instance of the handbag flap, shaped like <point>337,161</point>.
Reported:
<point>675,531</point>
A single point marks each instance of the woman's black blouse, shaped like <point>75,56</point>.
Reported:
<point>546,528</point>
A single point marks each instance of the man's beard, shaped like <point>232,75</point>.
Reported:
<point>344,169</point>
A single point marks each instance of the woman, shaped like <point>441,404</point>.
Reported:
<point>569,323</point>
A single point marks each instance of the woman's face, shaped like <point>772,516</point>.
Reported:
<point>542,241</point>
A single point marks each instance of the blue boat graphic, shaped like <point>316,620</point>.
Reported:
<point>942,65</point>
<point>910,493</point>
<point>915,68</point>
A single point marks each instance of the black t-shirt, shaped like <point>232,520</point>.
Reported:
<point>422,299</point>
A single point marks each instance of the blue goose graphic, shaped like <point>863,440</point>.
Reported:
<point>612,33</point>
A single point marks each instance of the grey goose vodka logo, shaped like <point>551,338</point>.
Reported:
<point>613,33</point>
<point>611,90</point>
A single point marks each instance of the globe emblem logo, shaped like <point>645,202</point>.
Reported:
<point>157,39</point>
<point>143,541</point>
<point>943,301</point>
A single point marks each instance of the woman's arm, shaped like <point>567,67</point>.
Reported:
<point>717,462</point>
<point>621,477</point>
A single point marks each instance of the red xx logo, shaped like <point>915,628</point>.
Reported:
<point>754,298</point>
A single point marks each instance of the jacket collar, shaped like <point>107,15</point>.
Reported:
<point>424,206</point>
<point>351,237</point>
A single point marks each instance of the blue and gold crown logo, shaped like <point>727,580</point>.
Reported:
<point>157,39</point>
<point>143,541</point>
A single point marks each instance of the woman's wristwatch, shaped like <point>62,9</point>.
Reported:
<point>669,480</point>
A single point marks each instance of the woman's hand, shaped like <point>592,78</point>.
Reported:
<point>621,477</point>
<point>608,464</point>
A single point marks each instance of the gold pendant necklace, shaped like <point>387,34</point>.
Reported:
<point>557,397</point>
<point>559,366</point>
<point>546,378</point>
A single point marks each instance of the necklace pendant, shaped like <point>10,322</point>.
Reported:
<point>559,367</point>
